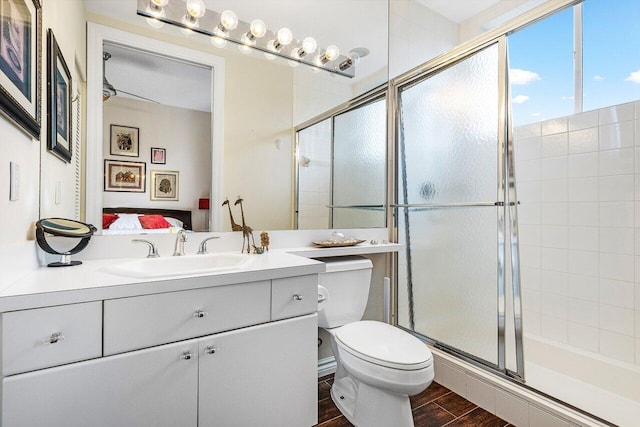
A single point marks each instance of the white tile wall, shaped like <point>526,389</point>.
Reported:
<point>581,194</point>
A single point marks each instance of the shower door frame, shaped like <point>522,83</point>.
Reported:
<point>505,170</point>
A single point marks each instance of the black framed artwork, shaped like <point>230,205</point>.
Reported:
<point>125,141</point>
<point>20,52</point>
<point>58,101</point>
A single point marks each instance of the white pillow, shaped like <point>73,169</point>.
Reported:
<point>126,222</point>
<point>174,222</point>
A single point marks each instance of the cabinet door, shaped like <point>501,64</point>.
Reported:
<point>263,376</point>
<point>153,387</point>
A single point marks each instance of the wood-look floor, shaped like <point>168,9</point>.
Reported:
<point>437,406</point>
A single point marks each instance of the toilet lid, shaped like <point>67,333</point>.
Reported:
<point>384,345</point>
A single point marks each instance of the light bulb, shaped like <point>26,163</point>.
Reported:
<point>258,28</point>
<point>160,3</point>
<point>218,42</point>
<point>155,11</point>
<point>196,8</point>
<point>309,45</point>
<point>296,53</point>
<point>285,36</point>
<point>228,20</point>
<point>272,46</point>
<point>332,52</point>
<point>154,23</point>
<point>352,59</point>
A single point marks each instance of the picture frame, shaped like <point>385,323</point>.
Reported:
<point>20,63</point>
<point>158,155</point>
<point>165,185</point>
<point>59,85</point>
<point>124,176</point>
<point>125,141</point>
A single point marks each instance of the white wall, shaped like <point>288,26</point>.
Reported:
<point>186,136</point>
<point>416,35</point>
<point>66,18</point>
<point>579,185</point>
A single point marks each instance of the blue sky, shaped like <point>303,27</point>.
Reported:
<point>541,61</point>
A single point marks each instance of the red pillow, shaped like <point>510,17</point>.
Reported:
<point>153,221</point>
<point>108,219</point>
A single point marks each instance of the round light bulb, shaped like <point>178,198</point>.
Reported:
<point>332,52</point>
<point>285,36</point>
<point>160,3</point>
<point>258,28</point>
<point>196,8</point>
<point>229,20</point>
<point>309,45</point>
<point>154,23</point>
<point>218,42</point>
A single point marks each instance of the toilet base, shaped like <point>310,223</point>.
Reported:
<point>366,406</point>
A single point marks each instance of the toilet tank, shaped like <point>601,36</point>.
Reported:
<point>345,286</point>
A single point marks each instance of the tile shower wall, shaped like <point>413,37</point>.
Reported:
<point>578,180</point>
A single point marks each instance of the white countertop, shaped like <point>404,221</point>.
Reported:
<point>92,280</point>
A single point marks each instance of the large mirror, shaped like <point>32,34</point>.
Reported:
<point>262,103</point>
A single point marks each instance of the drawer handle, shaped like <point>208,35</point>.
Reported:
<point>54,338</point>
<point>186,355</point>
<point>297,297</point>
<point>210,349</point>
<point>200,314</point>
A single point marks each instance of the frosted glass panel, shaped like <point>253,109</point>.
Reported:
<point>449,155</point>
<point>314,176</point>
<point>359,165</point>
<point>449,129</point>
<point>454,275</point>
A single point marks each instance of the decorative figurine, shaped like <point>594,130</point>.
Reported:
<point>246,230</point>
<point>264,240</point>
<point>234,226</point>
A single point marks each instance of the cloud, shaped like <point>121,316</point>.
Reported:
<point>520,99</point>
<point>598,78</point>
<point>536,114</point>
<point>522,77</point>
<point>634,77</point>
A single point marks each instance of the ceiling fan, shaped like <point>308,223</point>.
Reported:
<point>108,90</point>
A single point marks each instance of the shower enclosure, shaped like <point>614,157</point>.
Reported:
<point>541,287</point>
<point>454,190</point>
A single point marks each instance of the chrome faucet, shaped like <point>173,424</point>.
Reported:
<point>153,251</point>
<point>178,249</point>
<point>202,249</point>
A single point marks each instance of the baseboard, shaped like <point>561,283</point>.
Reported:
<point>326,366</point>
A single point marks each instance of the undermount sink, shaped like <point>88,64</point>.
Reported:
<point>179,265</point>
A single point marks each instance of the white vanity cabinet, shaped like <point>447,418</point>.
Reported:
<point>151,387</point>
<point>241,354</point>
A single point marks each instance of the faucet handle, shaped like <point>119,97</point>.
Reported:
<point>202,249</point>
<point>153,251</point>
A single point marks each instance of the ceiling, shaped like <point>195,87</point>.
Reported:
<point>458,11</point>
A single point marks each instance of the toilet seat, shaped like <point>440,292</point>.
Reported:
<point>383,344</point>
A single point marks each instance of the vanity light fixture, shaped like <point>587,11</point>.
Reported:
<point>226,27</point>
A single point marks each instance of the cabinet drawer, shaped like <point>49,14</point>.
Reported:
<point>43,337</point>
<point>138,322</point>
<point>294,296</point>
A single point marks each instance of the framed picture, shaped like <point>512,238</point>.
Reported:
<point>124,141</point>
<point>158,155</point>
<point>124,176</point>
<point>20,52</point>
<point>165,185</point>
<point>58,101</point>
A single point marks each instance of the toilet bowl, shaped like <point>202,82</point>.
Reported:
<point>378,365</point>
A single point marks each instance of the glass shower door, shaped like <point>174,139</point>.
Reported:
<point>450,209</point>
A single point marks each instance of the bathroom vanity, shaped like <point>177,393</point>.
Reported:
<point>83,346</point>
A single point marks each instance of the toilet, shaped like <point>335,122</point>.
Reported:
<point>378,365</point>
